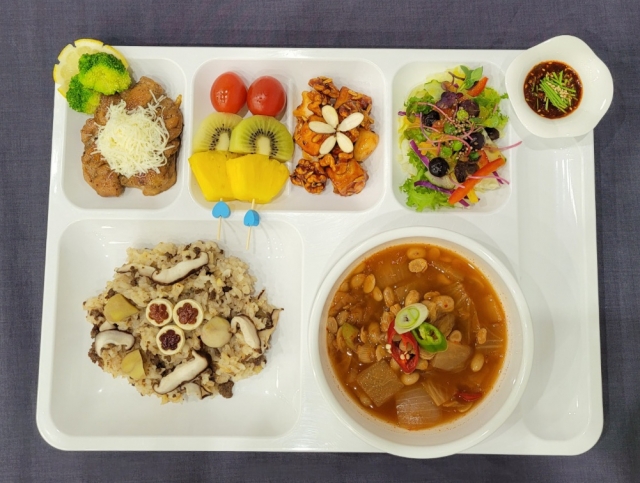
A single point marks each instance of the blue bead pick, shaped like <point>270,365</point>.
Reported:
<point>251,218</point>
<point>221,210</point>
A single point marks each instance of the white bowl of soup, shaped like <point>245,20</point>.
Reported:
<point>426,390</point>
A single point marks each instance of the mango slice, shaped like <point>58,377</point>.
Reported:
<point>118,308</point>
<point>132,365</point>
<point>256,177</point>
<point>210,170</point>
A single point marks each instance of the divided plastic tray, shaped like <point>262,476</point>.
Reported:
<point>542,226</point>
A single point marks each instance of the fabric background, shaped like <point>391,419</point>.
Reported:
<point>33,33</point>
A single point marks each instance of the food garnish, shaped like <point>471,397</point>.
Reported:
<point>404,351</point>
<point>334,132</point>
<point>410,317</point>
<point>430,338</point>
<point>447,133</point>
<point>67,66</point>
<point>80,98</point>
<point>98,73</point>
<point>104,73</point>
<point>133,141</point>
<point>552,89</point>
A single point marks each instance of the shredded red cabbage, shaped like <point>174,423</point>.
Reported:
<point>464,203</point>
<point>402,113</point>
<point>511,146</point>
<point>427,184</point>
<point>423,158</point>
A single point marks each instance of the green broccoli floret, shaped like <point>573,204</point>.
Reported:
<point>82,99</point>
<point>104,73</point>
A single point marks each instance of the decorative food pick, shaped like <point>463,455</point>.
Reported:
<point>251,218</point>
<point>220,210</point>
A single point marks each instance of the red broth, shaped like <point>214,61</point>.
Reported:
<point>444,386</point>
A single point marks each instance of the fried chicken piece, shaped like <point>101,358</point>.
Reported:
<point>142,93</point>
<point>152,183</point>
<point>312,102</point>
<point>310,175</point>
<point>96,170</point>
<point>347,176</point>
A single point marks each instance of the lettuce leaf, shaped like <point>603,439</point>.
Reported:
<point>420,198</point>
<point>488,101</point>
<point>418,104</point>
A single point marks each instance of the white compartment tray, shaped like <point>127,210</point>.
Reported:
<point>542,226</point>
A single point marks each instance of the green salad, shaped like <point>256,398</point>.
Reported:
<point>448,130</point>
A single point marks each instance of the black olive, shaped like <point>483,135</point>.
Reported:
<point>430,117</point>
<point>492,132</point>
<point>476,140</point>
<point>471,107</point>
<point>462,170</point>
<point>438,167</point>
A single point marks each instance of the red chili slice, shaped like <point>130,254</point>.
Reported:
<point>410,361</point>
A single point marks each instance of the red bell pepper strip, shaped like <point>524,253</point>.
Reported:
<point>470,183</point>
<point>469,396</point>
<point>478,87</point>
<point>408,361</point>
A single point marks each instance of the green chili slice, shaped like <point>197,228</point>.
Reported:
<point>430,338</point>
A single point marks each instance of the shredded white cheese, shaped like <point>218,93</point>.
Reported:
<point>133,142</point>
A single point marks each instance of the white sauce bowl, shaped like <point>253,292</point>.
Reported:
<point>597,87</point>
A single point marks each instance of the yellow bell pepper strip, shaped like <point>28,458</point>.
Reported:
<point>470,183</point>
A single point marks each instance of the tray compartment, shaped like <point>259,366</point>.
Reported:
<point>294,74</point>
<point>170,76</point>
<point>86,402</point>
<point>415,74</point>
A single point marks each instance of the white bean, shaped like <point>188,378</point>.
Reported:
<point>409,379</point>
<point>477,362</point>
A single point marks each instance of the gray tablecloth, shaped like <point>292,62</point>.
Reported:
<point>33,33</point>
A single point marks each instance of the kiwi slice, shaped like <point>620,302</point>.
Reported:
<point>214,133</point>
<point>262,135</point>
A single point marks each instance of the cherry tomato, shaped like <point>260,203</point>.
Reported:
<point>228,93</point>
<point>266,96</point>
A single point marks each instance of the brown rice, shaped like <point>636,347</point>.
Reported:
<point>223,287</point>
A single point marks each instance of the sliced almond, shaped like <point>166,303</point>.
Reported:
<point>327,145</point>
<point>321,127</point>
<point>344,142</point>
<point>330,115</point>
<point>351,121</point>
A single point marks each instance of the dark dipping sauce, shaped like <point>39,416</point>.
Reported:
<point>536,98</point>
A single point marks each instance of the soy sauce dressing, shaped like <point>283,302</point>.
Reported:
<point>537,99</point>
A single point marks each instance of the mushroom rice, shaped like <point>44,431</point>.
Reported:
<point>165,356</point>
